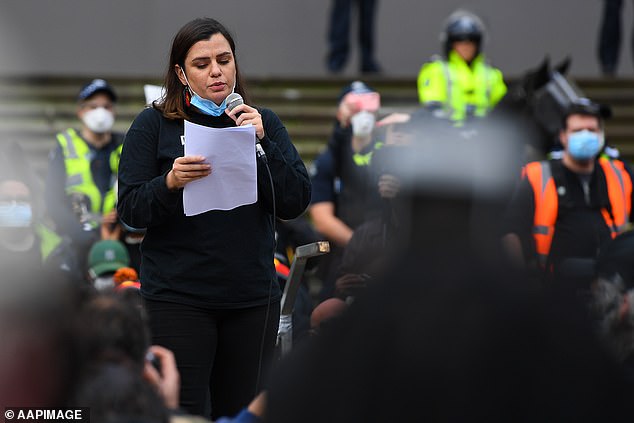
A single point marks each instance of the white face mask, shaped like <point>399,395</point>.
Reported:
<point>362,123</point>
<point>99,120</point>
<point>103,282</point>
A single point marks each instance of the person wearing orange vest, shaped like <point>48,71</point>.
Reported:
<point>569,208</point>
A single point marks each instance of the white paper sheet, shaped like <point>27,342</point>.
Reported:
<point>152,93</point>
<point>233,179</point>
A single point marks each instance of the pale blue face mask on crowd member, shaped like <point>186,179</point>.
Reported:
<point>584,145</point>
<point>15,214</point>
<point>208,107</point>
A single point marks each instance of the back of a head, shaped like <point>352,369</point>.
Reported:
<point>116,393</point>
<point>36,314</point>
<point>112,328</point>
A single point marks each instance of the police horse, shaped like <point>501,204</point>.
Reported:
<point>535,104</point>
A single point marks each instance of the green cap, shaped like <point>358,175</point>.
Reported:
<point>107,256</point>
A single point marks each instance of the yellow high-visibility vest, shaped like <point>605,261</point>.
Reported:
<point>459,89</point>
<point>78,175</point>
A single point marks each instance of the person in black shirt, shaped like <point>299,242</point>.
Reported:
<point>209,280</point>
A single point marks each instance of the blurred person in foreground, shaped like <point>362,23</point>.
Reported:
<point>121,376</point>
<point>209,280</point>
<point>82,170</point>
<point>37,354</point>
<point>452,334</point>
<point>461,343</point>
<point>111,329</point>
<point>460,84</point>
<point>565,210</point>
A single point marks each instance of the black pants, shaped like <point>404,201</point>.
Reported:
<point>339,29</point>
<point>610,36</point>
<point>217,352</point>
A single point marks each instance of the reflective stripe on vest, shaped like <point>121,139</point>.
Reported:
<point>620,194</point>
<point>449,106</point>
<point>540,177</point>
<point>78,173</point>
<point>546,203</point>
<point>456,105</point>
<point>362,159</point>
<point>49,240</point>
<point>365,159</point>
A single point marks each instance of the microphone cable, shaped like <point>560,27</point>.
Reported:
<point>261,155</point>
<point>234,100</point>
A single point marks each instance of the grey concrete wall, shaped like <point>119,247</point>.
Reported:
<point>286,37</point>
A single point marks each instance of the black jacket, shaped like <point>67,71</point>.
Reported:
<point>218,259</point>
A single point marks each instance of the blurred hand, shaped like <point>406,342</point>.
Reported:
<point>257,406</point>
<point>389,186</point>
<point>110,228</point>
<point>185,170</point>
<point>166,380</point>
<point>394,118</point>
<point>350,284</point>
<point>345,111</point>
<point>110,217</point>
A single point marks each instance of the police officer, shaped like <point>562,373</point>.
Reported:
<point>342,195</point>
<point>460,84</point>
<point>83,167</point>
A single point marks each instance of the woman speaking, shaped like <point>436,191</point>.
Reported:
<point>209,280</point>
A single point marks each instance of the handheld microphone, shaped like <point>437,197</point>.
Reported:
<point>234,100</point>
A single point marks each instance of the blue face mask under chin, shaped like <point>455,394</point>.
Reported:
<point>208,107</point>
<point>15,214</point>
<point>584,145</point>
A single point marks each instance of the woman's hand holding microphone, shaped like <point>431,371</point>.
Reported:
<point>244,114</point>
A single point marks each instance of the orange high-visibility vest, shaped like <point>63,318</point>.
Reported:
<point>540,177</point>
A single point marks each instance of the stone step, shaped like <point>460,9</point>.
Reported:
<point>33,110</point>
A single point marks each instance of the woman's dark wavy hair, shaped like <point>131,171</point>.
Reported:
<point>172,105</point>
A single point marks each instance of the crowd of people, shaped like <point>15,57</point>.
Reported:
<point>465,281</point>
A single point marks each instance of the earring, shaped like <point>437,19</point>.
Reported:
<point>187,95</point>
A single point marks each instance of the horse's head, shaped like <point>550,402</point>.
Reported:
<point>540,98</point>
